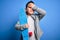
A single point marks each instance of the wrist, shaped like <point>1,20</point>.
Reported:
<point>34,7</point>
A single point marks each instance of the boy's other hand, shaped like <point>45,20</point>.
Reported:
<point>26,25</point>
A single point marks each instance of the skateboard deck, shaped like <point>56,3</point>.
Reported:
<point>23,20</point>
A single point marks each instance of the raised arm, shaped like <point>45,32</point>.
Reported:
<point>40,11</point>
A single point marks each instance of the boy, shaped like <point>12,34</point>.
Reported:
<point>34,30</point>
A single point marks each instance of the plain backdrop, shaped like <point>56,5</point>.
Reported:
<point>50,24</point>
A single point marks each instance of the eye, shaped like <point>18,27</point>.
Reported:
<point>30,7</point>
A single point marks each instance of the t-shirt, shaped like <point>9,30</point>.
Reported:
<point>31,27</point>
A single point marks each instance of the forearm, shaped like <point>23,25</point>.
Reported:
<point>39,10</point>
<point>20,27</point>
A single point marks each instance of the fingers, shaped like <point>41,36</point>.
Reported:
<point>26,25</point>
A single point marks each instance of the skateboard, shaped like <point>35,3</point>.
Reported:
<point>23,21</point>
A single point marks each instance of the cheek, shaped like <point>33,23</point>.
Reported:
<point>30,10</point>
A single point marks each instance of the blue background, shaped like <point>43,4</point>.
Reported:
<point>50,24</point>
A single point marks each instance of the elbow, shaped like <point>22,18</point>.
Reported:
<point>44,12</point>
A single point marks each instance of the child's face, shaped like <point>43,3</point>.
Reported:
<point>29,9</point>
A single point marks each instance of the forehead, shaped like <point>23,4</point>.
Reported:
<point>30,4</point>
